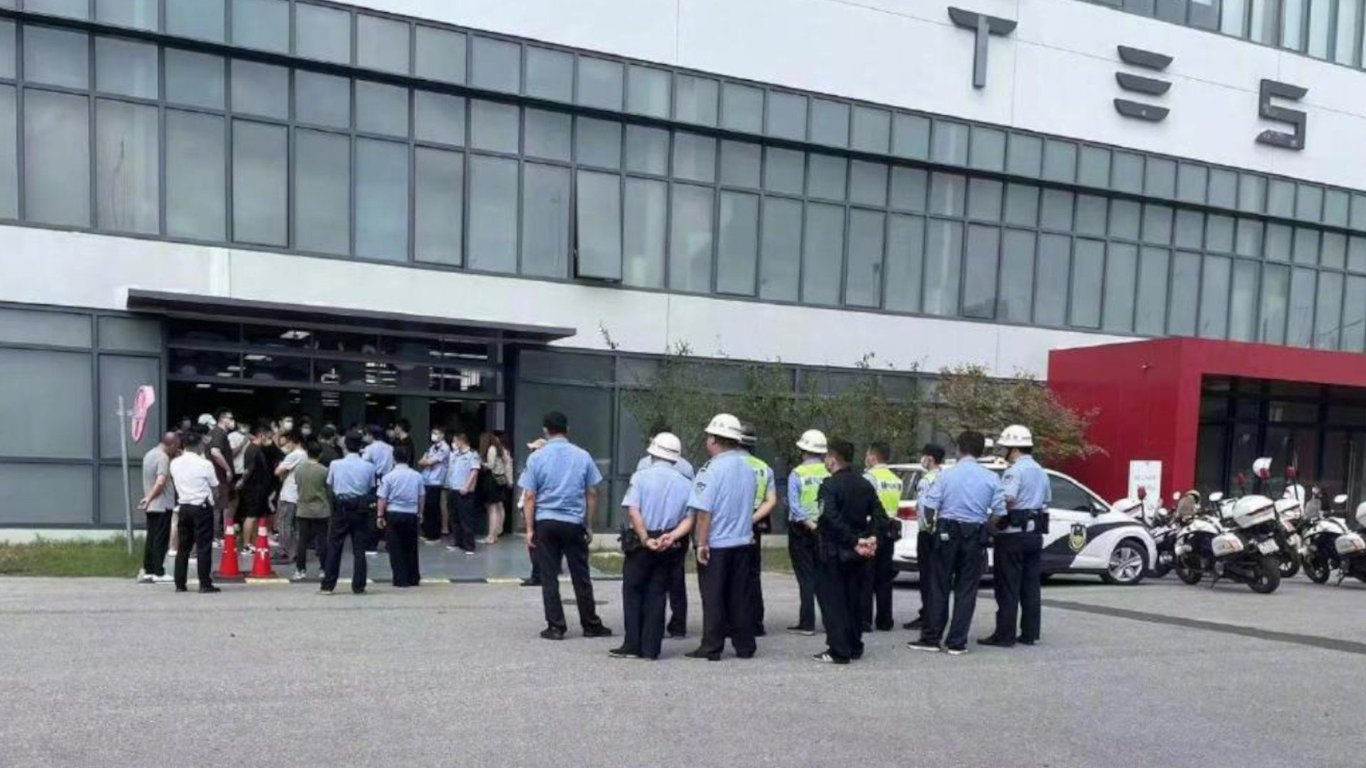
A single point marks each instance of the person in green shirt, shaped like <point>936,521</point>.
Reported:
<point>313,512</point>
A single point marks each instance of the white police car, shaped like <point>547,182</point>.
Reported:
<point>1084,535</point>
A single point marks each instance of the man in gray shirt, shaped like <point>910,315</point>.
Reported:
<point>158,502</point>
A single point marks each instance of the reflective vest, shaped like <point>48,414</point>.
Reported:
<point>888,487</point>
<point>810,477</point>
<point>761,473</point>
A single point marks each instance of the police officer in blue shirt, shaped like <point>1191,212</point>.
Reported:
<point>682,466</point>
<point>462,476</point>
<point>400,495</point>
<point>678,582</point>
<point>352,480</point>
<point>931,462</point>
<point>433,464</point>
<point>964,498</point>
<point>561,482</point>
<point>723,500</point>
<point>657,504</point>
<point>1015,572</point>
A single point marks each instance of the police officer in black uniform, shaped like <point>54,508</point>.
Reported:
<point>846,536</point>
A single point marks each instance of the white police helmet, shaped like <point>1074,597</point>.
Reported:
<point>1016,436</point>
<point>726,426</point>
<point>666,446</point>
<point>813,441</point>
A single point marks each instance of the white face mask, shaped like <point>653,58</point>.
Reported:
<point>286,425</point>
<point>306,431</point>
<point>436,437</point>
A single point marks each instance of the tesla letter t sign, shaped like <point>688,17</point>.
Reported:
<point>983,26</point>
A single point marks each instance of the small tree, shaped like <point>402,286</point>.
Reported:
<point>969,399</point>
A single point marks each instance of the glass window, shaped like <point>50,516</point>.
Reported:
<point>1356,254</point>
<point>381,44</point>
<point>259,199</point>
<point>78,9</point>
<point>262,24</point>
<point>1223,188</point>
<point>647,91</point>
<point>127,167</point>
<point>786,117</point>
<point>549,74</point>
<point>1328,319</point>
<point>1354,315</point>
<point>909,186</point>
<point>827,176</point>
<point>1017,277</point>
<point>9,160</point>
<point>1335,204</point>
<point>598,225</point>
<point>863,280</point>
<point>1278,242</point>
<point>1093,167</point>
<point>126,68</point>
<point>1022,205</point>
<point>493,126</point>
<point>690,239</point>
<point>694,157</point>
<point>1124,219</point>
<point>740,164</point>
<point>439,55</point>
<point>1300,320</point>
<point>1056,212</point>
<point>784,170</point>
<point>1025,155</point>
<point>438,118</point>
<point>1251,193</point>
<point>647,150</point>
<point>1127,173</point>
<point>1184,299</point>
<point>492,223</point>
<point>1248,240</point>
<point>1219,233</point>
<point>381,200</point>
<point>496,64</point>
<point>1191,181</point>
<point>195,79</point>
<point>781,247</point>
<point>1233,14</point>
<point>545,221</point>
<point>980,261</point>
<point>910,136</point>
<point>260,89</point>
<point>943,262</point>
<point>988,149</point>
<point>737,244</point>
<point>1157,224</point>
<point>1090,215</point>
<point>1121,265</point>
<point>599,143</point>
<point>322,33</point>
<point>1275,304</point>
<point>204,19</point>
<point>1345,49</point>
<point>56,57</point>
<point>8,47</point>
<point>742,107</point>
<point>1214,292</point>
<point>1280,198</point>
<point>822,253</point>
<point>695,99</point>
<point>947,193</point>
<point>984,199</point>
<point>438,207</point>
<point>868,183</point>
<point>322,99</point>
<point>949,142</point>
<point>548,134</point>
<point>1050,288</point>
<point>322,185</point>
<point>830,123</point>
<point>1059,160</point>
<point>1309,203</point>
<point>381,108</point>
<point>646,213</point>
<point>600,83</point>
<point>56,158</point>
<point>905,263</point>
<point>1243,304</point>
<point>1160,180</point>
<point>1088,270</point>
<point>1189,229</point>
<point>872,129</point>
<point>1306,248</point>
<point>1151,319</point>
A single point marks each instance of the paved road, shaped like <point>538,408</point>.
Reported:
<point>109,673</point>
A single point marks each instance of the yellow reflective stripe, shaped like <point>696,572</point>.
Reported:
<point>811,476</point>
<point>760,468</point>
<point>888,487</point>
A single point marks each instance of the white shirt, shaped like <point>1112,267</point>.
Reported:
<point>194,478</point>
<point>238,443</point>
<point>289,491</point>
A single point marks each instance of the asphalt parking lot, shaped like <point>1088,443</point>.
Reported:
<point>102,672</point>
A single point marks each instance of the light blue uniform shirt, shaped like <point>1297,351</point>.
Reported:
<point>381,454</point>
<point>967,492</point>
<point>725,487</point>
<point>560,475</point>
<point>459,467</point>
<point>351,476</point>
<point>661,492</point>
<point>796,513</point>
<point>435,474</point>
<point>1027,483</point>
<point>402,489</point>
<point>681,466</point>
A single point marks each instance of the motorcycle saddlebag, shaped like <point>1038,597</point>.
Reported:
<point>1350,544</point>
<point>1227,545</point>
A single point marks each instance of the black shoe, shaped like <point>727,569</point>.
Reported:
<point>182,589</point>
<point>1022,641</point>
<point>749,655</point>
<point>623,653</point>
<point>209,590</point>
<point>597,630</point>
<point>701,654</point>
<point>760,632</point>
<point>923,645</point>
<point>530,583</point>
<point>996,641</point>
<point>914,625</point>
<point>867,628</point>
<point>856,655</point>
<point>956,650</point>
<point>885,627</point>
<point>677,635</point>
<point>800,630</point>
<point>551,633</point>
<point>826,658</point>
<point>358,591</point>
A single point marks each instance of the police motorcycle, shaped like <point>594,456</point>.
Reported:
<point>1234,540</point>
<point>1161,524</point>
<point>1330,545</point>
<point>1289,513</point>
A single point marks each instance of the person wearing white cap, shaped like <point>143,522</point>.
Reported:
<point>723,499</point>
<point>655,544</point>
<point>1015,570</point>
<point>803,511</point>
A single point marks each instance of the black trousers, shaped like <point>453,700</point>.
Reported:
<point>644,591</point>
<point>400,534</point>
<point>756,583</point>
<point>350,519</point>
<point>877,588</point>
<point>462,509</point>
<point>678,594</point>
<point>801,545</point>
<point>431,513</point>
<point>924,558</point>
<point>1017,581</point>
<point>958,557</point>
<point>556,540</point>
<point>724,583</point>
<point>158,542</point>
<point>312,533</point>
<point>839,587</point>
<point>196,530</point>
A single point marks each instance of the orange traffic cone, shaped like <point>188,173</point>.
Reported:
<point>260,564</point>
<point>228,569</point>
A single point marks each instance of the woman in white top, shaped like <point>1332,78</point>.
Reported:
<point>497,465</point>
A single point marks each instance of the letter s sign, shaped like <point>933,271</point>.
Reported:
<point>1272,89</point>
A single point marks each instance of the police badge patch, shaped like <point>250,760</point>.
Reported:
<point>1078,538</point>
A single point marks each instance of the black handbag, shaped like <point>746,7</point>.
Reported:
<point>630,540</point>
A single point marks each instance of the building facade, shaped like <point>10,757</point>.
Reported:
<point>482,209</point>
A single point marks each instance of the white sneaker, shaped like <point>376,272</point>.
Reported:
<point>165,578</point>
<point>170,553</point>
<point>372,554</point>
<point>298,576</point>
<point>144,577</point>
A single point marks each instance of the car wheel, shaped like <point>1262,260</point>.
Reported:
<point>1128,562</point>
